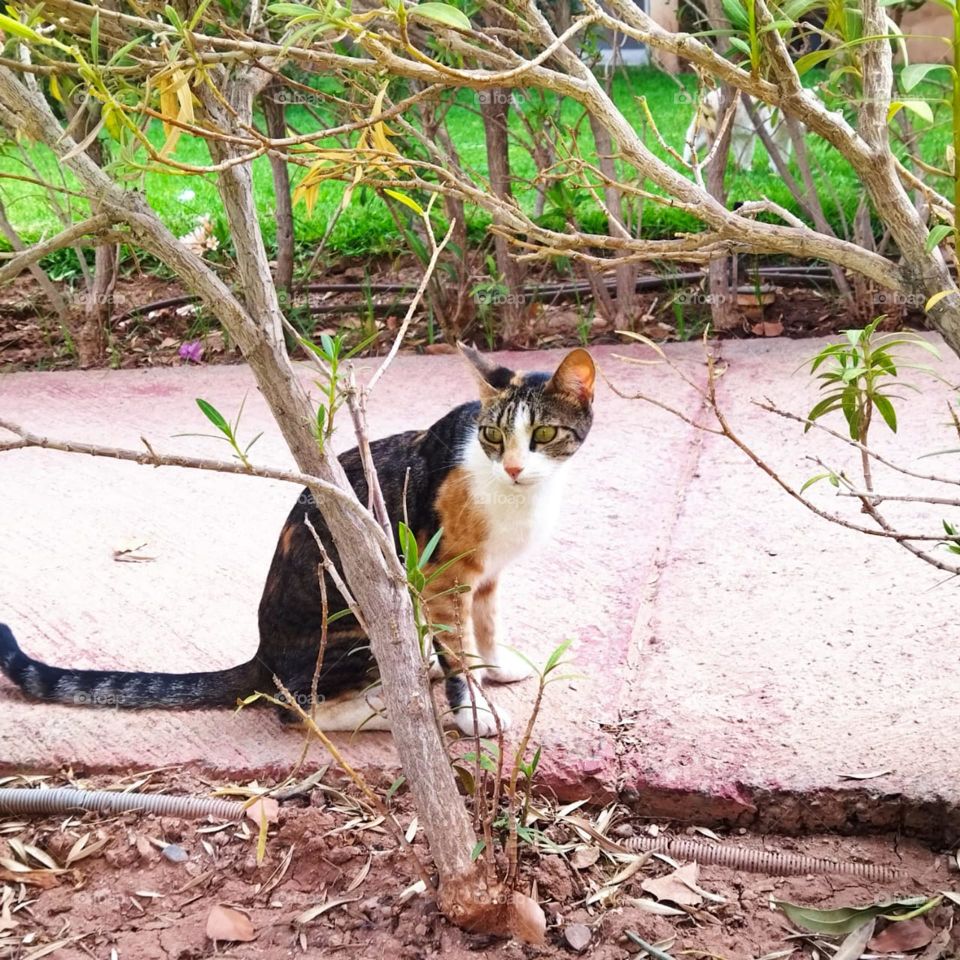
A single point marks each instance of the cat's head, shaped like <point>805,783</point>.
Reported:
<point>530,424</point>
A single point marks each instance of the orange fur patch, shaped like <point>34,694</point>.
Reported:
<point>464,532</point>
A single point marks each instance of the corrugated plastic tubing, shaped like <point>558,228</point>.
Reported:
<point>773,863</point>
<point>67,800</point>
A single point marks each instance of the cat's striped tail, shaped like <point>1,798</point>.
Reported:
<point>118,688</point>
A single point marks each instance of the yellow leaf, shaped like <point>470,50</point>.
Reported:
<point>936,298</point>
<point>406,201</point>
<point>169,107</point>
<point>181,83</point>
<point>111,120</point>
<point>262,837</point>
<point>55,88</point>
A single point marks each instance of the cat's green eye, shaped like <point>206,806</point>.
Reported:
<point>493,434</point>
<point>544,434</point>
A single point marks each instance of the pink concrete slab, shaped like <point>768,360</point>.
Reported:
<point>194,606</point>
<point>782,653</point>
<point>735,656</point>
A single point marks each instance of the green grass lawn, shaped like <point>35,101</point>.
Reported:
<point>367,228</point>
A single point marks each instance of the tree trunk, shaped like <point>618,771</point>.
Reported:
<point>626,273</point>
<point>274,112</point>
<point>722,288</point>
<point>495,109</point>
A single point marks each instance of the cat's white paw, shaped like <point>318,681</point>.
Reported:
<point>510,668</point>
<point>486,725</point>
<point>434,670</point>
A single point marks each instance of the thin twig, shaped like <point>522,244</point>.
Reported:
<point>327,491</point>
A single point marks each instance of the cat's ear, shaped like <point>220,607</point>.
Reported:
<point>575,376</point>
<point>491,377</point>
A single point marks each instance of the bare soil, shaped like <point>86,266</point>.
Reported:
<point>32,338</point>
<point>333,882</point>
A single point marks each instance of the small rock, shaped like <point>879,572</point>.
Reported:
<point>577,936</point>
<point>623,830</point>
<point>174,853</point>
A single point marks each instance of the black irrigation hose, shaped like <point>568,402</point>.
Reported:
<point>68,800</point>
<point>544,292</point>
<point>774,863</point>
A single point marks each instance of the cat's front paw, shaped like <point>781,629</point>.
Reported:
<point>486,723</point>
<point>509,668</point>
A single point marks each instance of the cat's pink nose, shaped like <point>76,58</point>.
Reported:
<point>513,472</point>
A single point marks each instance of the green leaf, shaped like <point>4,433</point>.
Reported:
<point>408,546</point>
<point>362,345</point>
<point>920,107</point>
<point>735,13</point>
<point>912,75</point>
<point>395,786</point>
<point>740,45</point>
<point>18,29</point>
<point>430,547</point>
<point>809,60</point>
<point>173,17</point>
<point>885,407</point>
<point>477,849</point>
<point>936,236</point>
<point>293,10</point>
<point>214,416</point>
<point>555,657</point>
<point>827,405</point>
<point>848,403</point>
<point>441,13</point>
<point>816,479</point>
<point>95,37</point>
<point>843,920</point>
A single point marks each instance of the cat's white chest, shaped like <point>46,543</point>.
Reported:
<point>516,517</point>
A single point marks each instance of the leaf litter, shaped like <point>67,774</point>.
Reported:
<point>332,881</point>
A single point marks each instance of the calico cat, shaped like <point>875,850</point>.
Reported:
<point>489,473</point>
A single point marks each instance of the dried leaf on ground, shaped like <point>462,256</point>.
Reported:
<point>675,887</point>
<point>899,937</point>
<point>938,947</point>
<point>307,915</point>
<point>263,807</point>
<point>856,942</point>
<point>767,328</point>
<point>584,856</point>
<point>38,878</point>
<point>133,550</point>
<point>224,923</point>
<point>527,919</point>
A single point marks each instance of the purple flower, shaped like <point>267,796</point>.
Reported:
<point>191,351</point>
